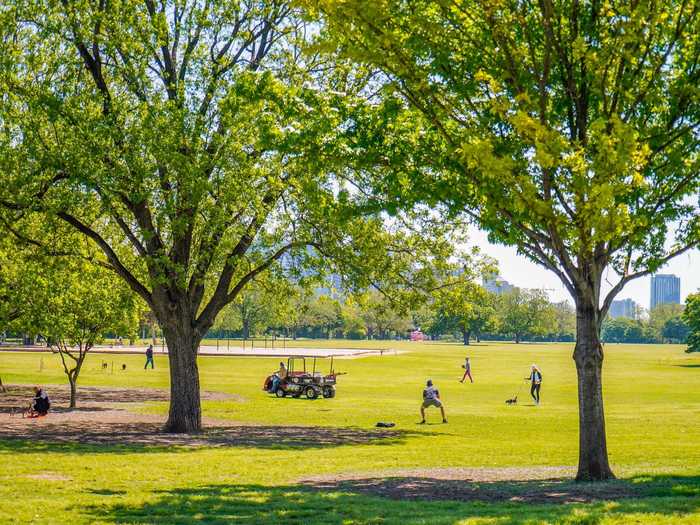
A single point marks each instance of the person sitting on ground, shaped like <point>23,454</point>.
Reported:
<point>278,377</point>
<point>41,404</point>
<point>431,397</point>
<point>467,370</point>
<point>535,383</point>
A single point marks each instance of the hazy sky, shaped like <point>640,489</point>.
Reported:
<point>519,271</point>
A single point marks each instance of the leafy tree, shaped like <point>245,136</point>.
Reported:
<point>675,330</point>
<point>661,314</point>
<point>191,142</point>
<point>324,314</point>
<point>381,316</point>
<point>565,319</point>
<point>526,313</point>
<point>467,308</point>
<point>353,323</point>
<point>72,304</point>
<point>567,129</point>
<point>691,316</point>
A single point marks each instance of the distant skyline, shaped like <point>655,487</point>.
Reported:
<point>518,270</point>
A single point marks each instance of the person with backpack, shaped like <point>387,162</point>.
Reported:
<point>535,383</point>
<point>149,357</point>
<point>431,398</point>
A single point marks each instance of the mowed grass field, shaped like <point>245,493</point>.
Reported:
<point>652,401</point>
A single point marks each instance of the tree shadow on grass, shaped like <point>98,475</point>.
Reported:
<point>296,504</point>
<point>689,366</point>
<point>141,436</point>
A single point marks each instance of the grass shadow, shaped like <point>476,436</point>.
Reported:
<point>108,437</point>
<point>330,505</point>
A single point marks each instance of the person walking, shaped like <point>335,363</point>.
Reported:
<point>431,398</point>
<point>467,370</point>
<point>535,383</point>
<point>149,358</point>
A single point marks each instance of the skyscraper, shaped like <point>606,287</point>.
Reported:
<point>665,288</point>
<point>495,284</point>
<point>623,308</point>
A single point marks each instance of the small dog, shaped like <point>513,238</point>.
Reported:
<point>512,401</point>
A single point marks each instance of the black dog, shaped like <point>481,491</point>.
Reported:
<point>512,401</point>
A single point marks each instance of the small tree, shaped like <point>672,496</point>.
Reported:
<point>73,305</point>
<point>691,316</point>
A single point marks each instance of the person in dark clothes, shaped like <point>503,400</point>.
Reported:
<point>535,383</point>
<point>40,404</point>
<point>149,357</point>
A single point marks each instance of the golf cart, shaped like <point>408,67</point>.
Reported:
<point>303,381</point>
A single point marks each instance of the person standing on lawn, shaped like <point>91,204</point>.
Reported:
<point>535,383</point>
<point>149,357</point>
<point>431,397</point>
<point>467,370</point>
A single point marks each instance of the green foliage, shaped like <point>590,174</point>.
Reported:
<point>525,313</point>
<point>565,129</point>
<point>691,316</point>
<point>466,308</point>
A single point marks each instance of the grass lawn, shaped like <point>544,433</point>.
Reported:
<point>418,474</point>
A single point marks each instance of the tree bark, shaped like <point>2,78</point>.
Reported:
<point>588,355</point>
<point>185,413</point>
<point>465,337</point>
<point>517,338</point>
<point>72,381</point>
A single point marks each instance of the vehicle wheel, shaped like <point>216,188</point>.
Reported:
<point>328,392</point>
<point>280,393</point>
<point>311,393</point>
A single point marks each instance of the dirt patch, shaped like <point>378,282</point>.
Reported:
<point>522,485</point>
<point>108,416</point>
<point>19,396</point>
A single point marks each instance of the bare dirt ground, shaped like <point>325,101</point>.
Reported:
<point>515,484</point>
<point>110,416</point>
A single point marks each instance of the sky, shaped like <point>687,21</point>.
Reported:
<point>519,271</point>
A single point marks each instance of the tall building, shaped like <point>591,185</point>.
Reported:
<point>495,284</point>
<point>665,288</point>
<point>623,308</point>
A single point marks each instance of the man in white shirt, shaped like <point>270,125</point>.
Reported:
<point>431,397</point>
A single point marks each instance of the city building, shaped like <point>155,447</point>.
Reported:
<point>623,308</point>
<point>496,284</point>
<point>665,289</point>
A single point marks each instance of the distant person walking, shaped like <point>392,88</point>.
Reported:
<point>149,357</point>
<point>431,398</point>
<point>467,371</point>
<point>535,383</point>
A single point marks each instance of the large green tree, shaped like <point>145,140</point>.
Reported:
<point>691,316</point>
<point>191,142</point>
<point>524,313</point>
<point>568,129</point>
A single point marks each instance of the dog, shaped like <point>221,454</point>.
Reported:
<point>104,365</point>
<point>512,401</point>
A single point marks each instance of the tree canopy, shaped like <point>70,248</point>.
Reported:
<point>568,129</point>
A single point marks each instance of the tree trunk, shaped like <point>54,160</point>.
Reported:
<point>72,381</point>
<point>517,338</point>
<point>588,355</point>
<point>478,337</point>
<point>465,337</point>
<point>185,408</point>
